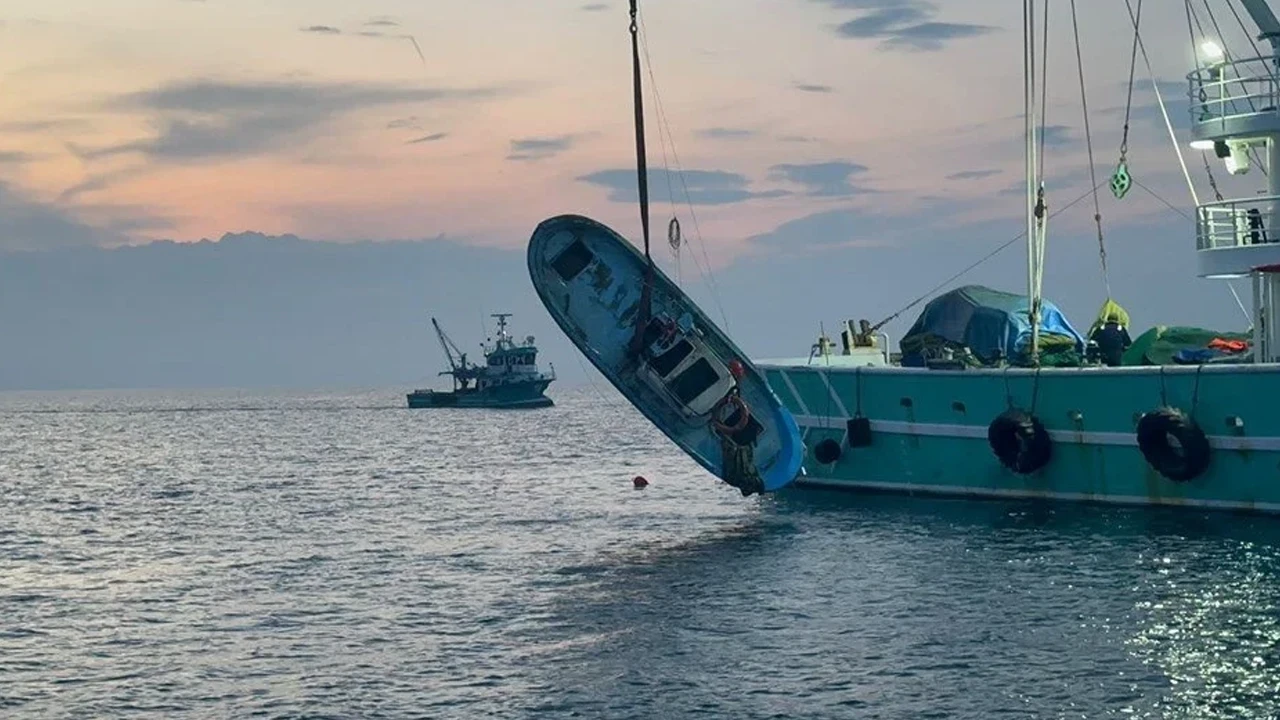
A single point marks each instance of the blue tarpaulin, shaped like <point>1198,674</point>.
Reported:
<point>990,323</point>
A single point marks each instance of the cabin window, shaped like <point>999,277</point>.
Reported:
<point>572,260</point>
<point>695,380</point>
<point>667,361</point>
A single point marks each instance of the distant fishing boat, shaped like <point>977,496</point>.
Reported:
<point>658,348</point>
<point>510,377</point>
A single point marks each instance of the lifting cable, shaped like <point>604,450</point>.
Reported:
<point>1088,137</point>
<point>707,273</point>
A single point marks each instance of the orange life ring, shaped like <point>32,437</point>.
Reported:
<point>744,414</point>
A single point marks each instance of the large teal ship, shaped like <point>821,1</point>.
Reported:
<point>509,378</point>
<point>995,395</point>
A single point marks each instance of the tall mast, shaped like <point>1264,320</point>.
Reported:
<point>642,172</point>
<point>641,162</point>
<point>503,336</point>
<point>1029,103</point>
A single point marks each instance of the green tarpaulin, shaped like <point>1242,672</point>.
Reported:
<point>1158,345</point>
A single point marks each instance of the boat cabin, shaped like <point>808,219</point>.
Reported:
<point>679,364</point>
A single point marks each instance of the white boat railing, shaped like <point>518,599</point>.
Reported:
<point>1235,89</point>
<point>1237,223</point>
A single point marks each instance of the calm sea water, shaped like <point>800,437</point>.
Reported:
<point>223,554</point>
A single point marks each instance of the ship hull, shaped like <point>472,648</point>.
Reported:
<point>510,397</point>
<point>929,431</point>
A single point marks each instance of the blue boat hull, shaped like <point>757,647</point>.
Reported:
<point>590,279</point>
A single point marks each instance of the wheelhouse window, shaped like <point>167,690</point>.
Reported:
<point>669,360</point>
<point>572,260</point>
<point>695,380</point>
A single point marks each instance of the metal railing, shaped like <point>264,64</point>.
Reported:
<point>1238,223</point>
<point>1234,89</point>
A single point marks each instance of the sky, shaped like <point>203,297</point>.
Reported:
<point>812,134</point>
<point>185,119</point>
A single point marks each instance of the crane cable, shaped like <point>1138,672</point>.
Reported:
<point>1088,137</point>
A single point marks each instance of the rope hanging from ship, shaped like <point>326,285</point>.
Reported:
<point>1088,138</point>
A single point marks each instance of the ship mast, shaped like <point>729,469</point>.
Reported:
<point>504,338</point>
<point>1029,103</point>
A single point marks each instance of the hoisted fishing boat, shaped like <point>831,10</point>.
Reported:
<point>657,347</point>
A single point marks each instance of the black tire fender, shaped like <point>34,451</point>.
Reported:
<point>1173,444</point>
<point>1020,441</point>
<point>827,451</point>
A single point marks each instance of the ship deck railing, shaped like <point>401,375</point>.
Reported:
<point>1238,222</point>
<point>1226,92</point>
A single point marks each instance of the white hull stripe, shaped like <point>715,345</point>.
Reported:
<point>1070,437</point>
<point>1013,493</point>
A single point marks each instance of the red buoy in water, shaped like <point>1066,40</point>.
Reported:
<point>639,481</point>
